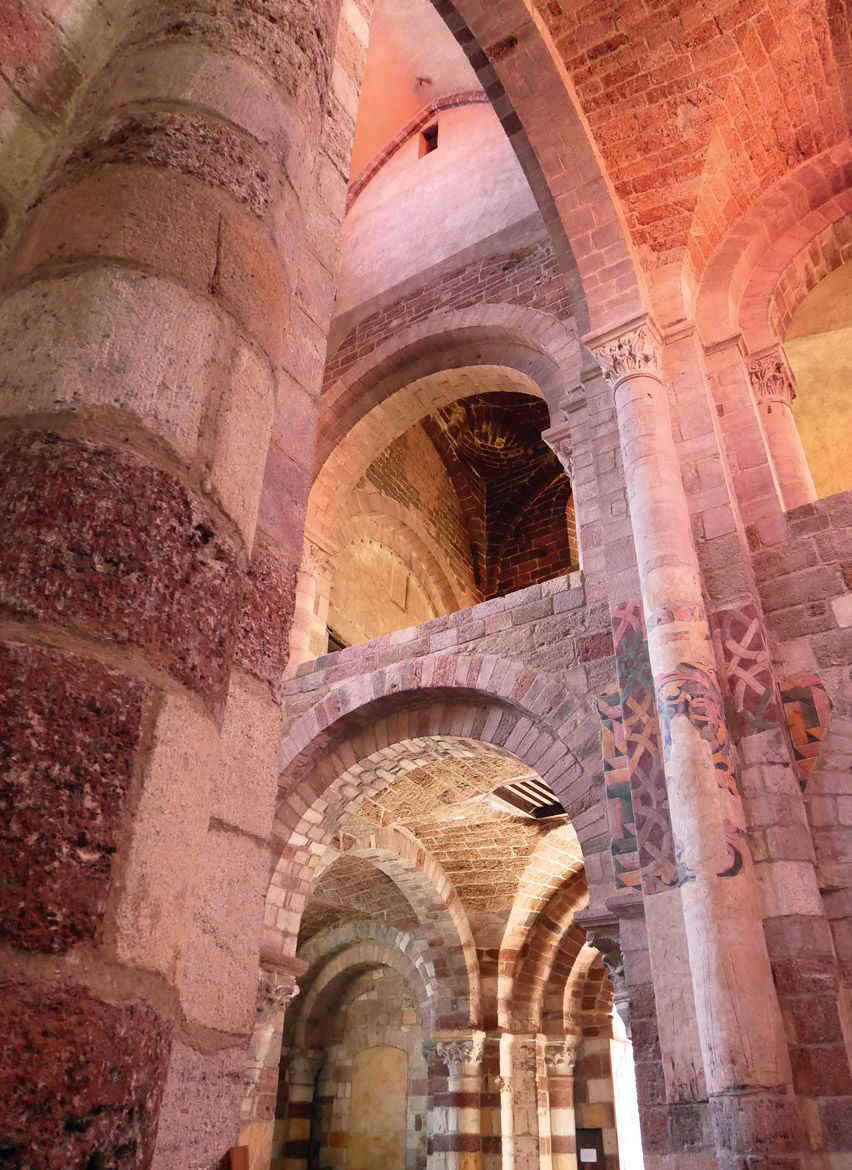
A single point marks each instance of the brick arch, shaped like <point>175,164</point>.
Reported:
<point>517,63</point>
<point>366,512</point>
<point>597,1000</point>
<point>825,253</point>
<point>553,1018</point>
<point>535,344</point>
<point>457,703</point>
<point>574,994</point>
<point>523,975</point>
<point>737,290</point>
<point>498,702</point>
<point>545,873</point>
<point>429,890</point>
<point>351,458</point>
<point>345,966</point>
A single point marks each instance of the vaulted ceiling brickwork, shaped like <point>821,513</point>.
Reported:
<point>696,107</point>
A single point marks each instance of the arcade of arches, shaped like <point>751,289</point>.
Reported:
<point>425,584</point>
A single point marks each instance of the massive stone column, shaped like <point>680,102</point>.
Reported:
<point>143,321</point>
<point>774,393</point>
<point>739,1022</point>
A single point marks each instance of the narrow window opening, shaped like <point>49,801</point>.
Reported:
<point>429,140</point>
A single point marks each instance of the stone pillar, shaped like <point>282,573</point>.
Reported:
<point>490,1105</point>
<point>308,637</point>
<point>739,1021</point>
<point>562,440</point>
<point>302,1075</point>
<point>142,324</point>
<point>608,943</point>
<point>460,1138</point>
<point>774,391</point>
<point>560,1057</point>
<point>276,989</point>
<point>519,1113</point>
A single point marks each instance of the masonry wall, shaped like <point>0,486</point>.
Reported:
<point>516,265</point>
<point>410,217</point>
<point>538,544</point>
<point>412,472</point>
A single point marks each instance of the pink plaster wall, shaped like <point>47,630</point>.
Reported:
<point>419,211</point>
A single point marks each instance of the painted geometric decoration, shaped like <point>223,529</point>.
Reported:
<point>619,802</point>
<point>753,699</point>
<point>807,707</point>
<point>642,747</point>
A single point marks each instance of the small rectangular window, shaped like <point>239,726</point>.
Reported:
<point>429,140</point>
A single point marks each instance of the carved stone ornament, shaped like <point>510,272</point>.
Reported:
<point>458,1053</point>
<point>609,945</point>
<point>560,440</point>
<point>771,378</point>
<point>275,990</point>
<point>634,352</point>
<point>560,1057</point>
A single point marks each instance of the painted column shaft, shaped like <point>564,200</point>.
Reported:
<point>738,1017</point>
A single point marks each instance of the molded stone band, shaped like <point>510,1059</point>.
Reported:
<point>290,40</point>
<point>190,143</point>
<point>70,729</point>
<point>120,549</point>
<point>74,1093</point>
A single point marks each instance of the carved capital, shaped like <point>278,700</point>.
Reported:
<point>560,1056</point>
<point>275,990</point>
<point>609,944</point>
<point>771,377</point>
<point>461,1053</point>
<point>317,555</point>
<point>635,351</point>
<point>560,440</point>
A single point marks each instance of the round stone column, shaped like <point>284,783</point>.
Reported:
<point>276,990</point>
<point>461,1139</point>
<point>143,326</point>
<point>520,1101</point>
<point>560,1058</point>
<point>774,391</point>
<point>301,1079</point>
<point>739,1021</point>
